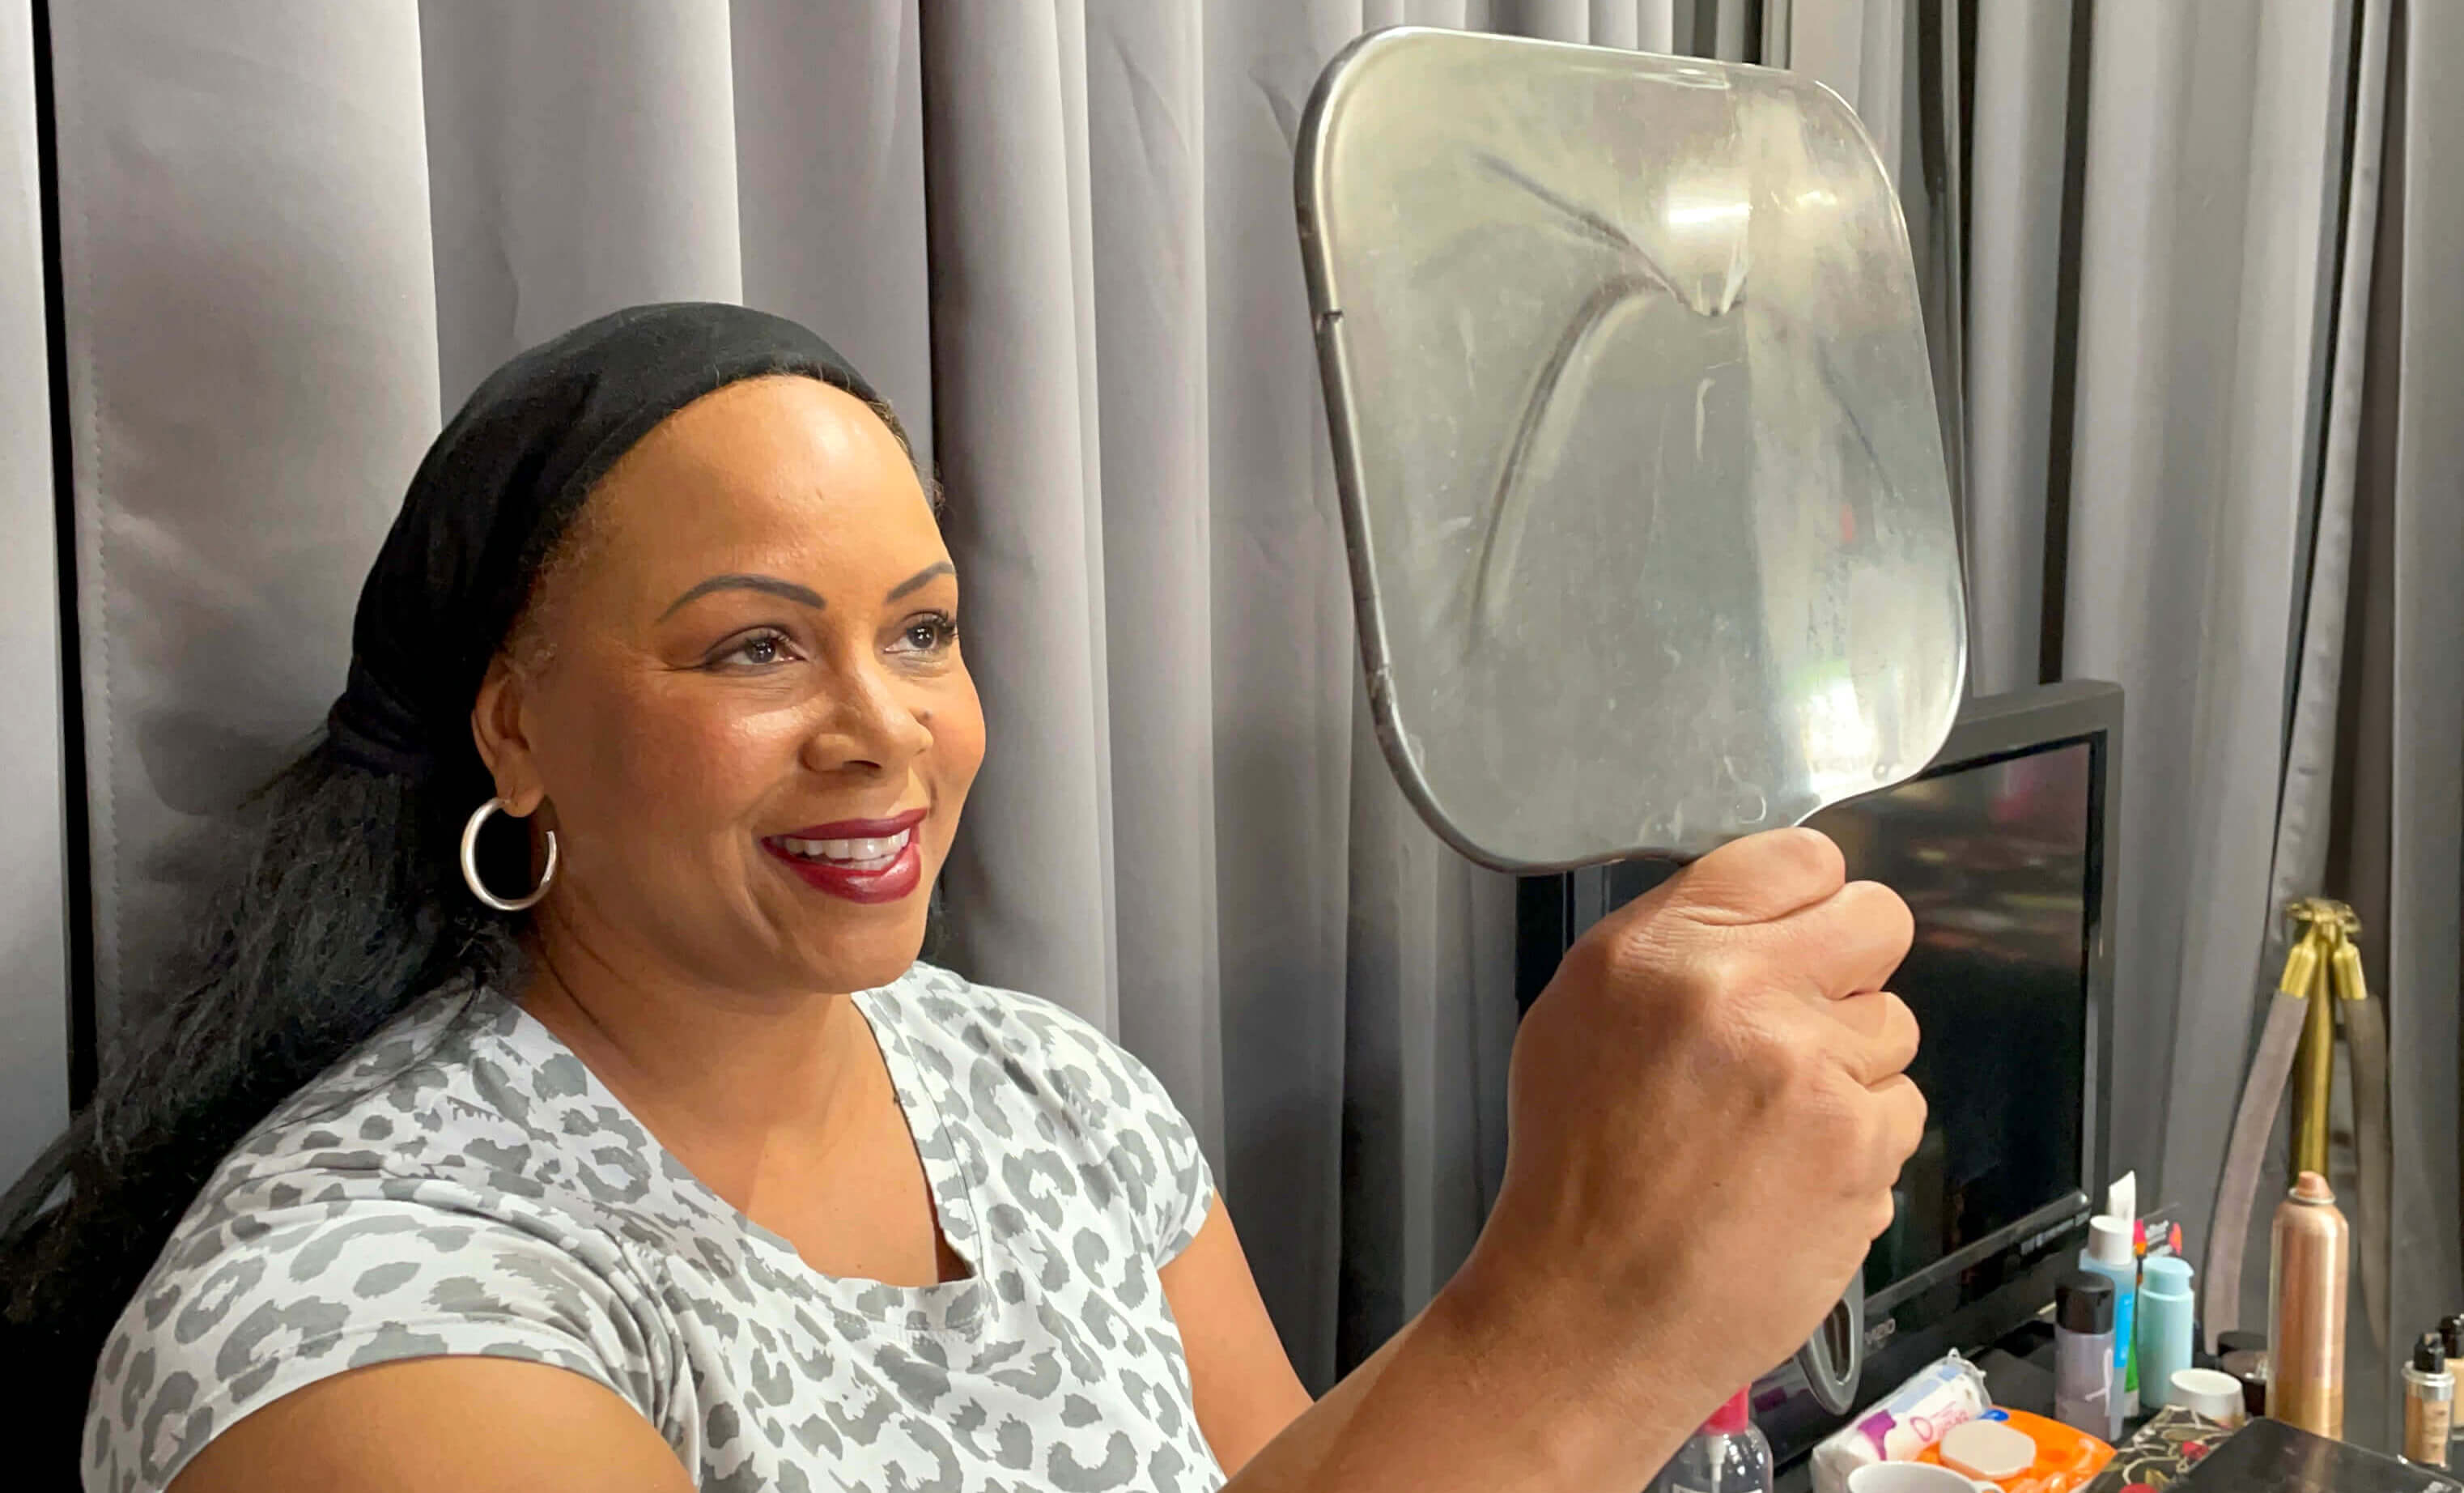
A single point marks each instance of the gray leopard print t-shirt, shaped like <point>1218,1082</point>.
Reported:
<point>462,1184</point>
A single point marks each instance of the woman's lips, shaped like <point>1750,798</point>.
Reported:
<point>863,860</point>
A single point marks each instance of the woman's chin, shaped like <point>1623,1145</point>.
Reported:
<point>864,959</point>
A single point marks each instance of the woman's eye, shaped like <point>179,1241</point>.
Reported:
<point>759,651</point>
<point>931,633</point>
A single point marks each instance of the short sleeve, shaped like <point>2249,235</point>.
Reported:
<point>1179,1187</point>
<point>1149,1149</point>
<point>297,1278</point>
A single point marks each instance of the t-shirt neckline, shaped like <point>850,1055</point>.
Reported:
<point>944,1150</point>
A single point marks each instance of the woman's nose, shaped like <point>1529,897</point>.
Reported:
<point>869,724</point>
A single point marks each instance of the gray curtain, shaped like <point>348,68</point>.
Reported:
<point>2396,850</point>
<point>2212,168</point>
<point>2201,357</point>
<point>33,782</point>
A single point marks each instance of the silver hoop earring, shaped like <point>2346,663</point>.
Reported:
<point>471,863</point>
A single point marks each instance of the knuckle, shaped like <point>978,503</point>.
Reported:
<point>1806,860</point>
<point>1790,1065</point>
<point>1887,913</point>
<point>1868,1138</point>
<point>1897,1043</point>
<point>1722,971</point>
<point>1881,1210</point>
<point>1630,948</point>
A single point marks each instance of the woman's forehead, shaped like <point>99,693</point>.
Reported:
<point>770,462</point>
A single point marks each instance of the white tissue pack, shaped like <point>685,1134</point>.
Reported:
<point>1948,1392</point>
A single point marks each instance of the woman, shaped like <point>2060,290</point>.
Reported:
<point>528,1135</point>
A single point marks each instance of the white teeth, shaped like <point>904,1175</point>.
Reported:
<point>857,855</point>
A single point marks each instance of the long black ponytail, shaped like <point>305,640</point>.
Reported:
<point>346,906</point>
<point>346,902</point>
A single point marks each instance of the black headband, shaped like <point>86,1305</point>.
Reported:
<point>496,493</point>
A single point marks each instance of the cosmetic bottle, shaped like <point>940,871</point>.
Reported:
<point>2163,1321</point>
<point>2310,1268</point>
<point>2086,1396</point>
<point>2428,1403</point>
<point>1729,1454</point>
<point>2110,1255</point>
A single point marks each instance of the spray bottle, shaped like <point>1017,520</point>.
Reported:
<point>2310,1267</point>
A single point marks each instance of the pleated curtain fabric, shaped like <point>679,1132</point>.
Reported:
<point>2214,167</point>
<point>2396,820</point>
<point>34,783</point>
<point>2200,388</point>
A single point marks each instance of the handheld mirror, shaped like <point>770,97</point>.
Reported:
<point>1635,443</point>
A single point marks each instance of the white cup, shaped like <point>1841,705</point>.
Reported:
<point>1907,1478</point>
<point>2208,1392</point>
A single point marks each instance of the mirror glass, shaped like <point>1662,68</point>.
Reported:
<point>1637,443</point>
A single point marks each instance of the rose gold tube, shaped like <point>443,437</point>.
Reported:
<point>2312,1261</point>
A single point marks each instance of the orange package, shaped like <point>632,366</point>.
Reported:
<point>2020,1453</point>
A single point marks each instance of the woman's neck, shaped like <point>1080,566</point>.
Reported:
<point>712,1072</point>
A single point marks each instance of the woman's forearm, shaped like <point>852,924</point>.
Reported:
<point>1485,1396</point>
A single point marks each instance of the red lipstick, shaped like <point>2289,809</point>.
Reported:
<point>863,861</point>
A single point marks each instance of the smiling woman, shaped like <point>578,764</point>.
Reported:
<point>688,1174</point>
<point>637,1150</point>
<point>751,675</point>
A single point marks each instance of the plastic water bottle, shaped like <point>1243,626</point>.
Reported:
<point>1727,1456</point>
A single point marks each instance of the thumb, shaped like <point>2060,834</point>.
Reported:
<point>1759,878</point>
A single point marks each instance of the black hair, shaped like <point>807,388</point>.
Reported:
<point>344,903</point>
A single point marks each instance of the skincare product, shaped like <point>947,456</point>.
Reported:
<point>2428,1403</point>
<point>2211,1392</point>
<point>2083,1371</point>
<point>2122,1204</point>
<point>2163,1324</point>
<point>2451,1335</point>
<point>2109,1254</point>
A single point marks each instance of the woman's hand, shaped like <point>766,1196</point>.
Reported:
<point>1708,1110</point>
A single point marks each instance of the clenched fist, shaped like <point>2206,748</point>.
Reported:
<point>1709,1109</point>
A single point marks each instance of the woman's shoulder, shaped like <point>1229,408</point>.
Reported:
<point>365,1110</point>
<point>405,1100</point>
<point>460,1105</point>
<point>300,1279</point>
<point>1025,1076</point>
<point>404,1204</point>
<point>1025,1042</point>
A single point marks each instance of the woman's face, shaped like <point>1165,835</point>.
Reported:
<point>740,703</point>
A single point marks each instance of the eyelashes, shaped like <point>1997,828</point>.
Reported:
<point>932,632</point>
<point>927,636</point>
<point>760,650</point>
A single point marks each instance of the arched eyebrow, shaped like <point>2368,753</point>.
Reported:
<point>802,595</point>
<point>945,568</point>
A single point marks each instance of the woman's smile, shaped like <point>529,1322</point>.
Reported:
<point>863,860</point>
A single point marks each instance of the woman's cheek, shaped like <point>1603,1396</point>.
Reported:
<point>708,759</point>
<point>957,725</point>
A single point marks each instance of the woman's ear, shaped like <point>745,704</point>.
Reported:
<point>496,729</point>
